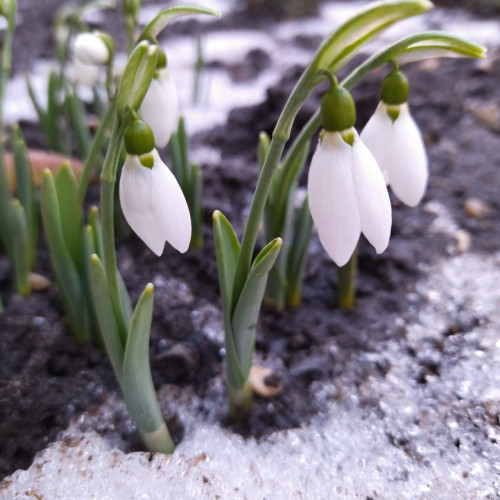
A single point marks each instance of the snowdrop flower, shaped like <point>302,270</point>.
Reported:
<point>160,107</point>
<point>395,141</point>
<point>346,189</point>
<point>90,51</point>
<point>151,199</point>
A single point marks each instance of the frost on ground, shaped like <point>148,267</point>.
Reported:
<point>428,428</point>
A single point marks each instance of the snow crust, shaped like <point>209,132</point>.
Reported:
<point>437,440</point>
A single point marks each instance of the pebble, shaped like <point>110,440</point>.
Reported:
<point>38,282</point>
<point>476,208</point>
<point>463,241</point>
<point>265,383</point>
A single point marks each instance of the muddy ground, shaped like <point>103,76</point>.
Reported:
<point>46,379</point>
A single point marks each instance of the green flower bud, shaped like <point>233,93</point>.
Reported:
<point>395,88</point>
<point>139,139</point>
<point>338,111</point>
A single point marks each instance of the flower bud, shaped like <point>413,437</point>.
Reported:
<point>90,48</point>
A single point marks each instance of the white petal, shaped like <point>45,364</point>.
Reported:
<point>408,168</point>
<point>373,199</point>
<point>332,197</point>
<point>160,108</point>
<point>375,136</point>
<point>170,206</point>
<point>400,152</point>
<point>90,49</point>
<point>85,74</point>
<point>136,184</point>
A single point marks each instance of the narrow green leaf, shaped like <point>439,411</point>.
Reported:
<point>196,206</point>
<point>68,279</point>
<point>415,48</point>
<point>167,16</point>
<point>22,255</point>
<point>71,215</point>
<point>246,313</point>
<point>227,248</point>
<point>297,255</point>
<point>342,44</point>
<point>137,382</point>
<point>25,188</point>
<point>263,148</point>
<point>136,77</point>
<point>54,132</point>
<point>106,317</point>
<point>77,118</point>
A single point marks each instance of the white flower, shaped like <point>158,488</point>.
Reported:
<point>160,107</point>
<point>153,204</point>
<point>89,53</point>
<point>347,196</point>
<point>89,48</point>
<point>399,150</point>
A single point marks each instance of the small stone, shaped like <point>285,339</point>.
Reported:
<point>487,113</point>
<point>476,208</point>
<point>265,383</point>
<point>463,241</point>
<point>38,282</point>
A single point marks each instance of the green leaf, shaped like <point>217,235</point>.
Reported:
<point>167,16</point>
<point>71,215</point>
<point>70,285</point>
<point>227,248</point>
<point>137,382</point>
<point>22,255</point>
<point>196,206</point>
<point>342,44</point>
<point>137,77</point>
<point>263,148</point>
<point>106,317</point>
<point>246,313</point>
<point>414,48</point>
<point>25,188</point>
<point>297,255</point>
<point>77,117</point>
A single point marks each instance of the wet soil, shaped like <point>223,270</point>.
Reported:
<point>46,379</point>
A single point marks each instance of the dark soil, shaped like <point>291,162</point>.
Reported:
<point>46,379</point>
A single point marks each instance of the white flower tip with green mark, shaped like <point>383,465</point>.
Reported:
<point>153,204</point>
<point>160,107</point>
<point>347,195</point>
<point>399,150</point>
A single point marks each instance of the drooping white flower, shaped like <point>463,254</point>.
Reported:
<point>399,149</point>
<point>160,107</point>
<point>153,204</point>
<point>90,52</point>
<point>347,195</point>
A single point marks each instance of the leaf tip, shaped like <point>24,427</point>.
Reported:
<point>150,289</point>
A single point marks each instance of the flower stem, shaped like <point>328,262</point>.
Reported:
<point>94,151</point>
<point>108,182</point>
<point>346,282</point>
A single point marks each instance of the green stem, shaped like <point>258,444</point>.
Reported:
<point>108,182</point>
<point>346,282</point>
<point>93,153</point>
<point>281,134</point>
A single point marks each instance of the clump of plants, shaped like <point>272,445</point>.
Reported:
<point>138,114</point>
